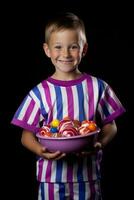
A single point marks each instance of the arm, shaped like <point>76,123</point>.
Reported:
<point>108,132</point>
<point>29,141</point>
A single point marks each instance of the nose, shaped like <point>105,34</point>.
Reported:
<point>66,52</point>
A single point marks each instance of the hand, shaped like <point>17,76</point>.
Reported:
<point>51,155</point>
<point>97,146</point>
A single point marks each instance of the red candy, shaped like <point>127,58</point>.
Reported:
<point>68,127</point>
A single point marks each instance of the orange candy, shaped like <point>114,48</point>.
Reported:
<point>92,126</point>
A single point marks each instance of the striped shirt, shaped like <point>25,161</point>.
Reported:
<point>86,98</point>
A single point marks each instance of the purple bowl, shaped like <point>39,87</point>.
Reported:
<point>69,144</point>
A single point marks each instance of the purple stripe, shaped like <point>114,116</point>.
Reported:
<point>48,171</point>
<point>71,190</point>
<point>70,102</point>
<point>36,119</point>
<point>113,116</point>
<point>24,125</point>
<point>48,98</point>
<point>40,168</point>
<point>70,173</point>
<point>111,101</point>
<point>102,102</point>
<point>91,97</point>
<point>51,191</point>
<point>29,111</point>
<point>90,176</point>
<point>67,83</point>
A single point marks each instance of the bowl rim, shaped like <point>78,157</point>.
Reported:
<point>68,138</point>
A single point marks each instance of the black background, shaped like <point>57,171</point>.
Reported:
<point>23,64</point>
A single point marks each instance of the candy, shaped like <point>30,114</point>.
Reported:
<point>92,126</point>
<point>65,123</point>
<point>53,130</point>
<point>55,123</point>
<point>67,128</point>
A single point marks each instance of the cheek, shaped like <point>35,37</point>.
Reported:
<point>77,54</point>
<point>54,54</point>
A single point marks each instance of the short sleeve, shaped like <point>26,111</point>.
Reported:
<point>109,105</point>
<point>28,114</point>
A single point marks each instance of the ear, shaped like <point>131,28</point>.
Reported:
<point>46,49</point>
<point>85,48</point>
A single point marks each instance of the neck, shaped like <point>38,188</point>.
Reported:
<point>67,76</point>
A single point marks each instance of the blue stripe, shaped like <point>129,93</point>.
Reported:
<point>81,102</point>
<point>59,170</point>
<point>20,108</point>
<point>62,191</point>
<point>38,95</point>
<point>42,191</point>
<point>82,191</point>
<point>79,172</point>
<point>101,87</point>
<point>105,110</point>
<point>59,102</point>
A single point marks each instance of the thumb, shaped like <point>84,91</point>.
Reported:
<point>97,145</point>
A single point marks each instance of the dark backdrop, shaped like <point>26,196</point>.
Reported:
<point>110,36</point>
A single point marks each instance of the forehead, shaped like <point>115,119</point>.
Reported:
<point>65,35</point>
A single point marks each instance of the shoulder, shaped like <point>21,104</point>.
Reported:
<point>101,83</point>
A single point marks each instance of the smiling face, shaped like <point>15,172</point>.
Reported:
<point>65,49</point>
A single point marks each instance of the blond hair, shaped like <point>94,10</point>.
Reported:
<point>65,21</point>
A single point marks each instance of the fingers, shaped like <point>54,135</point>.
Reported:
<point>98,146</point>
<point>53,155</point>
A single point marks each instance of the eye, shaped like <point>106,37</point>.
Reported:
<point>74,47</point>
<point>57,47</point>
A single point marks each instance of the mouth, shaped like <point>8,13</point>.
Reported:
<point>65,61</point>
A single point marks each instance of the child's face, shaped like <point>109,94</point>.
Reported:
<point>65,48</point>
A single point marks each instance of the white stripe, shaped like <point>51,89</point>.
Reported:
<point>76,102</point>
<point>42,92</point>
<point>34,97</point>
<point>67,192</point>
<point>95,93</point>
<point>94,175</point>
<point>76,191</point>
<point>64,172</point>
<point>33,114</point>
<point>56,191</point>
<point>75,170</point>
<point>87,190</point>
<point>101,112</point>
<point>46,191</point>
<point>54,100</point>
<point>64,102</point>
<point>85,174</point>
<point>24,109</point>
<point>53,175</point>
<point>86,99</point>
<point>44,167</point>
<point>110,109</point>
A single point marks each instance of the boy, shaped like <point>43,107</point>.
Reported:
<point>68,92</point>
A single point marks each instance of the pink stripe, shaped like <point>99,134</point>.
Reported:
<point>29,110</point>
<point>111,101</point>
<point>48,171</point>
<point>71,190</point>
<point>36,119</point>
<point>48,98</point>
<point>90,177</point>
<point>40,167</point>
<point>70,102</point>
<point>91,97</point>
<point>51,191</point>
<point>70,173</point>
